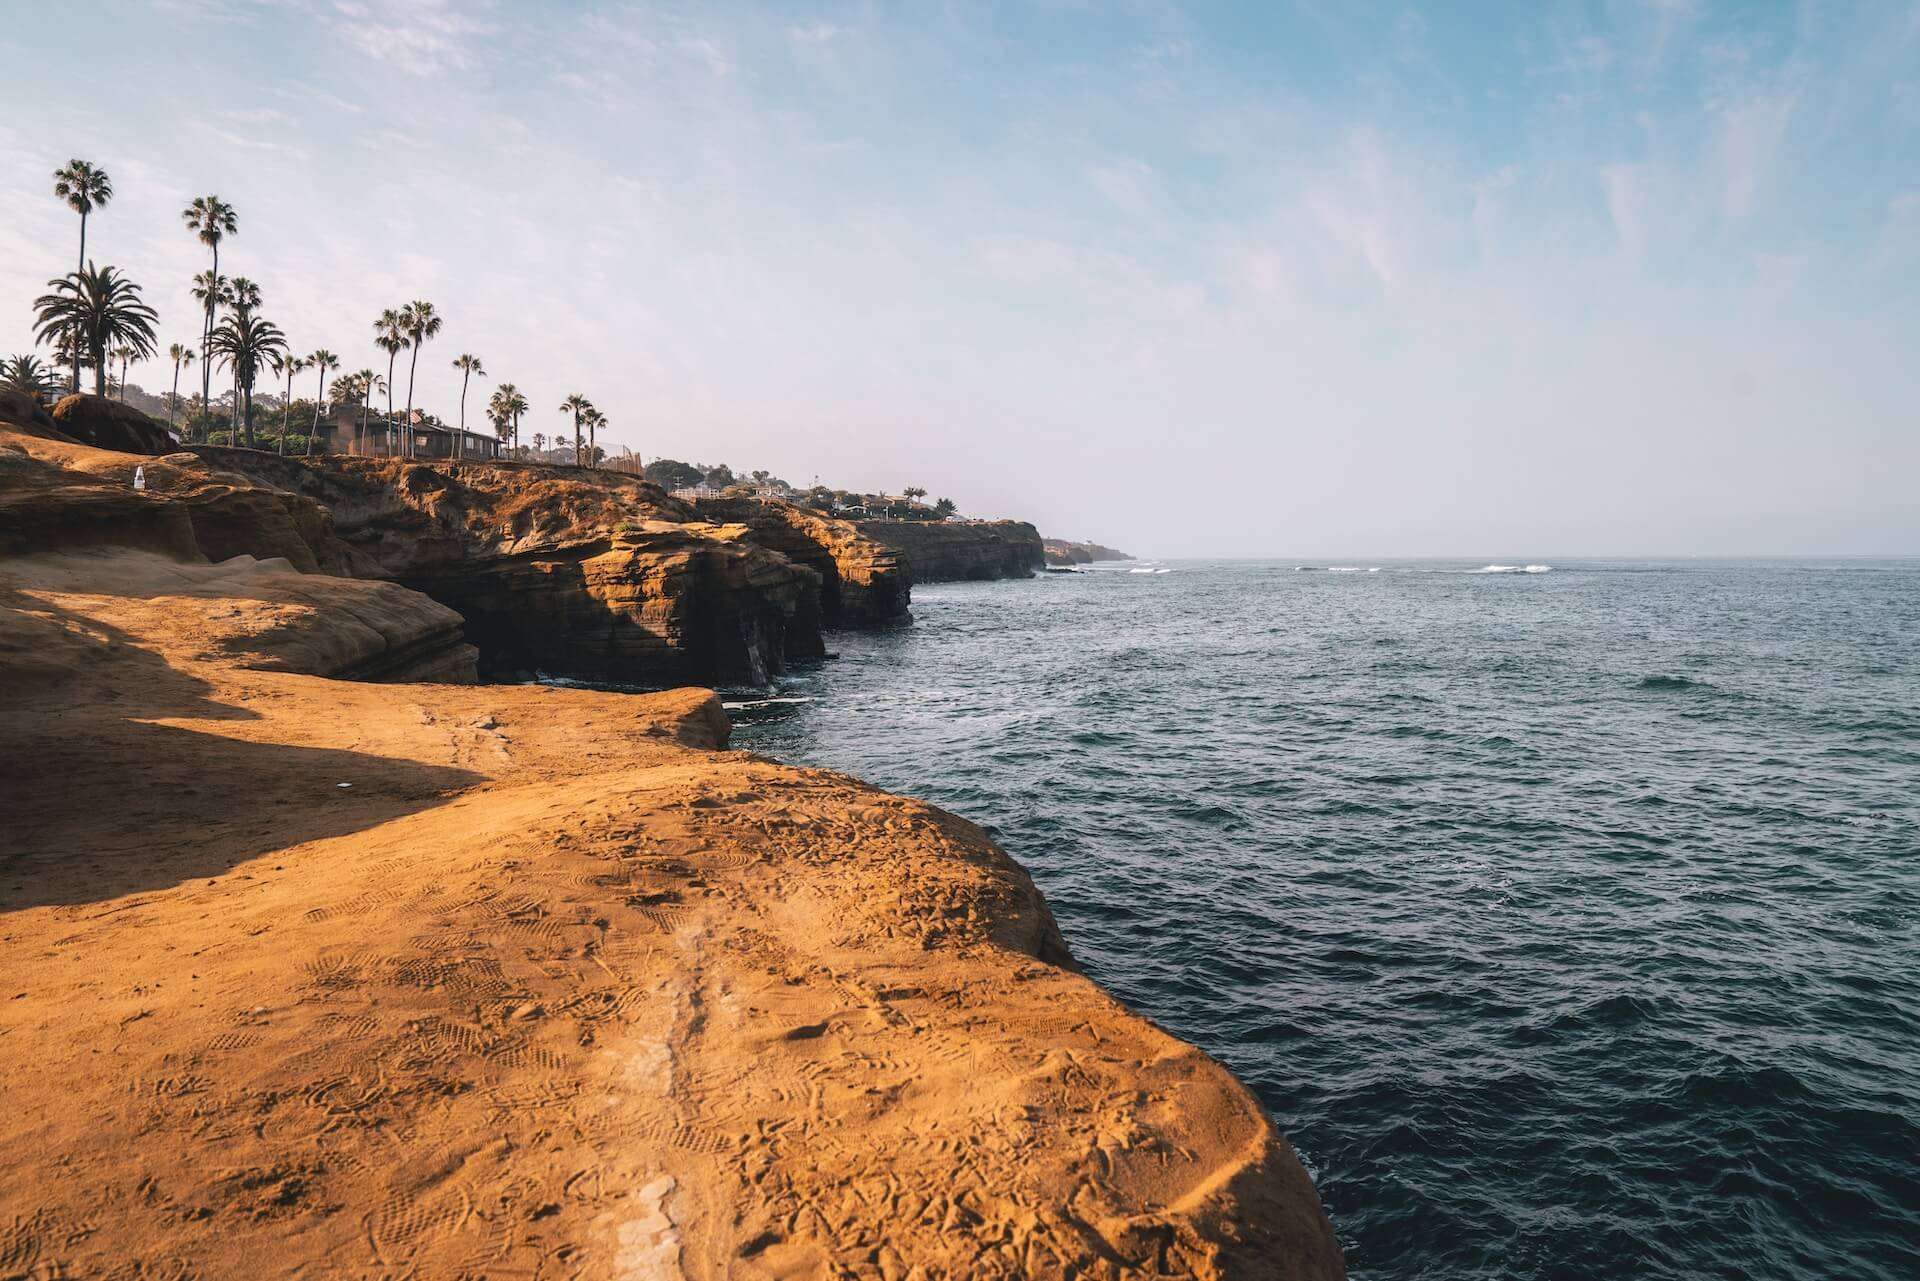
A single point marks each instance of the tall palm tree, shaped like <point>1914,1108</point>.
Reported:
<point>85,188</point>
<point>507,405</point>
<point>210,288</point>
<point>539,442</point>
<point>212,220</point>
<point>390,335</point>
<point>103,308</point>
<point>246,343</point>
<point>594,420</point>
<point>180,354</point>
<point>369,384</point>
<point>468,365</point>
<point>243,296</point>
<point>421,324</point>
<point>290,366</point>
<point>324,361</point>
<point>27,374</point>
<point>577,405</point>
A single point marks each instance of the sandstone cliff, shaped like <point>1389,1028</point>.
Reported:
<point>321,978</point>
<point>938,550</point>
<point>864,582</point>
<point>1061,551</point>
<point>564,570</point>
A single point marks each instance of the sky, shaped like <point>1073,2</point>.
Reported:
<point>1627,277</point>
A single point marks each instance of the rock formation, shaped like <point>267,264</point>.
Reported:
<point>945,550</point>
<point>108,424</point>
<point>1060,551</point>
<point>863,582</point>
<point>563,570</point>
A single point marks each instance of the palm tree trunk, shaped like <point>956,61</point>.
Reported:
<point>318,393</point>
<point>461,439</point>
<point>99,372</point>
<point>413,367</point>
<point>76,324</point>
<point>206,332</point>
<point>173,404</point>
<point>390,359</point>
<point>286,411</point>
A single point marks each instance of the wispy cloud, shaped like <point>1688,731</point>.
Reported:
<point>425,37</point>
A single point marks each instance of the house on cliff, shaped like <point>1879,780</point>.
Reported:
<point>341,433</point>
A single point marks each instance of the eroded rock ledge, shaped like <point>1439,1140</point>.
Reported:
<point>864,582</point>
<point>940,551</point>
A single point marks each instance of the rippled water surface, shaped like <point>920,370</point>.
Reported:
<point>1567,921</point>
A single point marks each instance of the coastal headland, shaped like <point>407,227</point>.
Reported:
<point>323,959</point>
<point>1061,551</point>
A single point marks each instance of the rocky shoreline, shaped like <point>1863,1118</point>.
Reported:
<point>441,978</point>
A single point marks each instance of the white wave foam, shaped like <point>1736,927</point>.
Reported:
<point>761,702</point>
<point>1146,571</point>
<point>1512,569</point>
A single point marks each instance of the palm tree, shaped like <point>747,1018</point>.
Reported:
<point>103,308</point>
<point>180,354</point>
<point>577,405</point>
<point>390,335</point>
<point>594,420</point>
<point>245,342</point>
<point>507,405</point>
<point>539,442</point>
<point>369,384</point>
<point>468,366</point>
<point>212,220</point>
<point>421,324</point>
<point>26,374</point>
<point>325,361</point>
<point>122,356</point>
<point>243,296</point>
<point>289,366</point>
<point>85,189</point>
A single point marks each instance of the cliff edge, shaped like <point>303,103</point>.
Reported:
<point>939,551</point>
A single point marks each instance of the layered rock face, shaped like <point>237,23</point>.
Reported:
<point>940,551</point>
<point>563,570</point>
<point>1061,551</point>
<point>863,582</point>
<point>72,511</point>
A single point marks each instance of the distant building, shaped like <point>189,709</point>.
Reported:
<point>696,491</point>
<point>341,433</point>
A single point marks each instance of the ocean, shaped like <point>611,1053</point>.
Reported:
<point>1566,918</point>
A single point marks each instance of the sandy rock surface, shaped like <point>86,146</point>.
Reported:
<point>314,977</point>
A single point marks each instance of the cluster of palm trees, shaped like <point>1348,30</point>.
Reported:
<point>96,316</point>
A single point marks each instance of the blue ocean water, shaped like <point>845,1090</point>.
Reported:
<point>1567,921</point>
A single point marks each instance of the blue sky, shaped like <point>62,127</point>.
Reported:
<point>1627,277</point>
